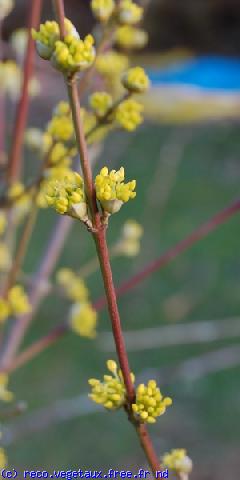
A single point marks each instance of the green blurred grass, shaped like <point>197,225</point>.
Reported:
<point>205,416</point>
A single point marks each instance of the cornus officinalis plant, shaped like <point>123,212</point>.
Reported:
<point>78,196</point>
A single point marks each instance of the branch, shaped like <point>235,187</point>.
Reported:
<point>103,255</point>
<point>14,166</point>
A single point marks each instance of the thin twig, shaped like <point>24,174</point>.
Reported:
<point>37,347</point>
<point>14,166</point>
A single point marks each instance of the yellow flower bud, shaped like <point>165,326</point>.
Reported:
<point>111,392</point>
<point>101,102</point>
<point>102,9</point>
<point>129,114</point>
<point>73,54</point>
<point>48,35</point>
<point>129,37</point>
<point>150,403</point>
<point>66,195</point>
<point>73,285</point>
<point>112,366</point>
<point>178,461</point>
<point>83,320</point>
<point>129,12</point>
<point>111,190</point>
<point>18,301</point>
<point>136,80</point>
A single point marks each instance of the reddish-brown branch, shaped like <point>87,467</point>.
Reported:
<point>103,254</point>
<point>100,238</point>
<point>14,166</point>
<point>37,347</point>
<point>83,151</point>
<point>60,15</point>
<point>157,264</point>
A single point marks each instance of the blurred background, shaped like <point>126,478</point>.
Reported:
<point>186,162</point>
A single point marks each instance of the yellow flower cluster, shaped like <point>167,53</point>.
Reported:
<point>73,54</point>
<point>103,9</point>
<point>129,114</point>
<point>111,64</point>
<point>136,80</point>
<point>58,140</point>
<point>69,55</point>
<point>83,319</point>
<point>150,403</point>
<point>111,392</point>
<point>178,461</point>
<point>101,102</point>
<point>54,173</point>
<point>5,395</point>
<point>111,190</point>
<point>18,301</point>
<point>129,242</point>
<point>3,459</point>
<point>67,195</point>
<point>5,8</point>
<point>129,12</point>
<point>60,127</point>
<point>61,156</point>
<point>129,37</point>
<point>48,35</point>
<point>73,285</point>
